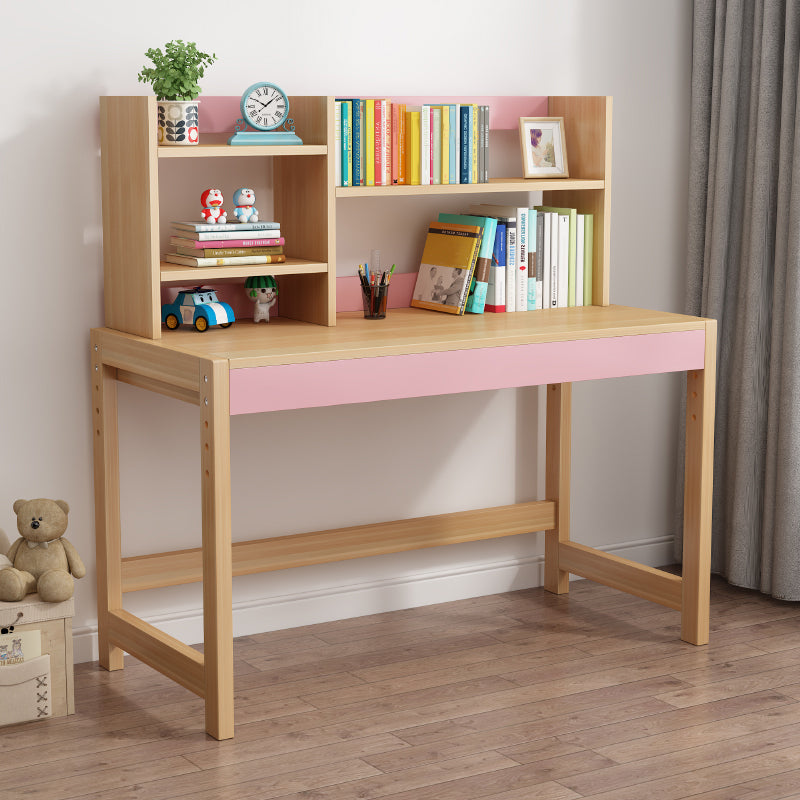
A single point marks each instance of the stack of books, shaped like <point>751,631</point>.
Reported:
<point>206,244</point>
<point>496,258</point>
<point>380,143</point>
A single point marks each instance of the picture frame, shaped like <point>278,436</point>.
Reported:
<point>544,147</point>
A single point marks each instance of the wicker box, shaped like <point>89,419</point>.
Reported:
<point>54,621</point>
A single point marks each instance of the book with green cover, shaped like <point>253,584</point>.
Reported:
<point>446,267</point>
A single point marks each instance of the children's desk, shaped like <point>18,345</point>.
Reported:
<point>248,369</point>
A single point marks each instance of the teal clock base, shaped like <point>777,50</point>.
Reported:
<point>264,137</point>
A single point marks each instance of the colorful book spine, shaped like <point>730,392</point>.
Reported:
<point>337,144</point>
<point>413,142</point>
<point>347,143</point>
<point>533,289</point>
<point>445,117</point>
<point>496,291</point>
<point>228,252</point>
<point>454,142</point>
<point>484,178</point>
<point>521,282</point>
<point>369,130</point>
<point>189,261</point>
<point>386,106</point>
<point>378,143</point>
<point>395,143</point>
<point>178,241</point>
<point>358,146</point>
<point>425,144</point>
<point>402,152</point>
<point>436,145</point>
<point>209,227</point>
<point>465,129</point>
<point>474,144</point>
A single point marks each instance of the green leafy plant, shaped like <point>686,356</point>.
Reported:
<point>176,71</point>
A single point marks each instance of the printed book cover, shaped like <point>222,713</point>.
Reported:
<point>446,268</point>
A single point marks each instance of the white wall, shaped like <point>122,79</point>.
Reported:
<point>297,471</point>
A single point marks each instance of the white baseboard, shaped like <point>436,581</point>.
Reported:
<point>374,597</point>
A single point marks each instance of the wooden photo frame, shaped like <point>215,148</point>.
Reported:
<point>544,147</point>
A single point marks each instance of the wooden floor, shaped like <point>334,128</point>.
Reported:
<point>516,696</point>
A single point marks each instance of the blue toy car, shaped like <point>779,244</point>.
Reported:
<point>199,307</point>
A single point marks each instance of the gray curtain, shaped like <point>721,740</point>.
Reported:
<point>744,271</point>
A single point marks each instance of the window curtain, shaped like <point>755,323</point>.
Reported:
<point>744,271</point>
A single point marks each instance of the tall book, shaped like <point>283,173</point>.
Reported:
<point>378,143</point>
<point>465,131</point>
<point>516,219</point>
<point>337,141</point>
<point>445,111</point>
<point>446,268</point>
<point>496,291</point>
<point>358,142</point>
<point>476,302</point>
<point>369,143</point>
<point>588,254</point>
<point>413,155</point>
<point>568,259</point>
<point>425,144</point>
<point>386,109</point>
<point>436,145</point>
<point>580,228</point>
<point>347,142</point>
<point>533,288</point>
<point>402,135</point>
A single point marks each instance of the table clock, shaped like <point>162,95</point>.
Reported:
<point>265,107</point>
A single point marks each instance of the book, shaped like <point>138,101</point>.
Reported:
<point>474,143</point>
<point>402,121</point>
<point>369,144</point>
<point>347,142</point>
<point>446,268</point>
<point>476,302</point>
<point>436,145</point>
<point>413,154</point>
<point>568,259</point>
<point>386,107</point>
<point>484,175</point>
<point>179,241</point>
<point>425,145</point>
<point>233,231</point>
<point>358,142</point>
<point>228,252</point>
<point>496,291</point>
<point>189,261</point>
<point>202,227</point>
<point>445,111</point>
<point>337,138</point>
<point>540,261</point>
<point>588,255</point>
<point>546,257</point>
<point>580,227</point>
<point>378,142</point>
<point>532,287</point>
<point>516,219</point>
<point>465,131</point>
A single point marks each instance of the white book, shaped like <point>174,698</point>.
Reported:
<point>546,259</point>
<point>553,260</point>
<point>425,145</point>
<point>580,227</point>
<point>456,177</point>
<point>337,136</point>
<point>521,303</point>
<point>563,260</point>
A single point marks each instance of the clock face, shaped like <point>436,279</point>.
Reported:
<point>265,106</point>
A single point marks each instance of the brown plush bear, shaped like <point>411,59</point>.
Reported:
<point>42,559</point>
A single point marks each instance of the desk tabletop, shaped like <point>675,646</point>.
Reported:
<point>409,330</point>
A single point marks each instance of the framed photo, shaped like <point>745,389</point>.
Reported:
<point>544,147</point>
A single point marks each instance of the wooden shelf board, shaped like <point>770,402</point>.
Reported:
<point>292,266</point>
<point>217,150</point>
<point>320,547</point>
<point>494,185</point>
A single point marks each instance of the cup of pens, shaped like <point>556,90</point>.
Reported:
<point>374,291</point>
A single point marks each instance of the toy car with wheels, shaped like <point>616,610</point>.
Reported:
<point>199,307</point>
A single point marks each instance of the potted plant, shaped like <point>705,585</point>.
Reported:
<point>174,77</point>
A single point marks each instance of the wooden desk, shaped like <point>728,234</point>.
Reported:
<point>250,368</point>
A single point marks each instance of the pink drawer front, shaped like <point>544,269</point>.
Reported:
<point>362,380</point>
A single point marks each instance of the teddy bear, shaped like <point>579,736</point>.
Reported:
<point>43,560</point>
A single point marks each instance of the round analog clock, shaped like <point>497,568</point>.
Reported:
<point>265,106</point>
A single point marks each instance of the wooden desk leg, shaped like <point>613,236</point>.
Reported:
<point>698,480</point>
<point>108,538</point>
<point>557,478</point>
<point>217,555</point>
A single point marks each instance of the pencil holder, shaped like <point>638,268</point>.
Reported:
<point>375,297</point>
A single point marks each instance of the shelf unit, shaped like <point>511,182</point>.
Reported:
<point>310,356</point>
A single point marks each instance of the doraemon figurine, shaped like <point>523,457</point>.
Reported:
<point>212,206</point>
<point>245,211</point>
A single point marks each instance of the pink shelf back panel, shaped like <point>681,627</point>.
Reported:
<point>401,287</point>
<point>363,380</point>
<point>218,114</point>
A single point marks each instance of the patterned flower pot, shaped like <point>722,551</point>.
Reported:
<point>177,122</point>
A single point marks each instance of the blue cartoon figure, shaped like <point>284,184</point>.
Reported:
<point>245,211</point>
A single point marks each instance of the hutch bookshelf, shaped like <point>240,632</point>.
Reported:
<point>250,369</point>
